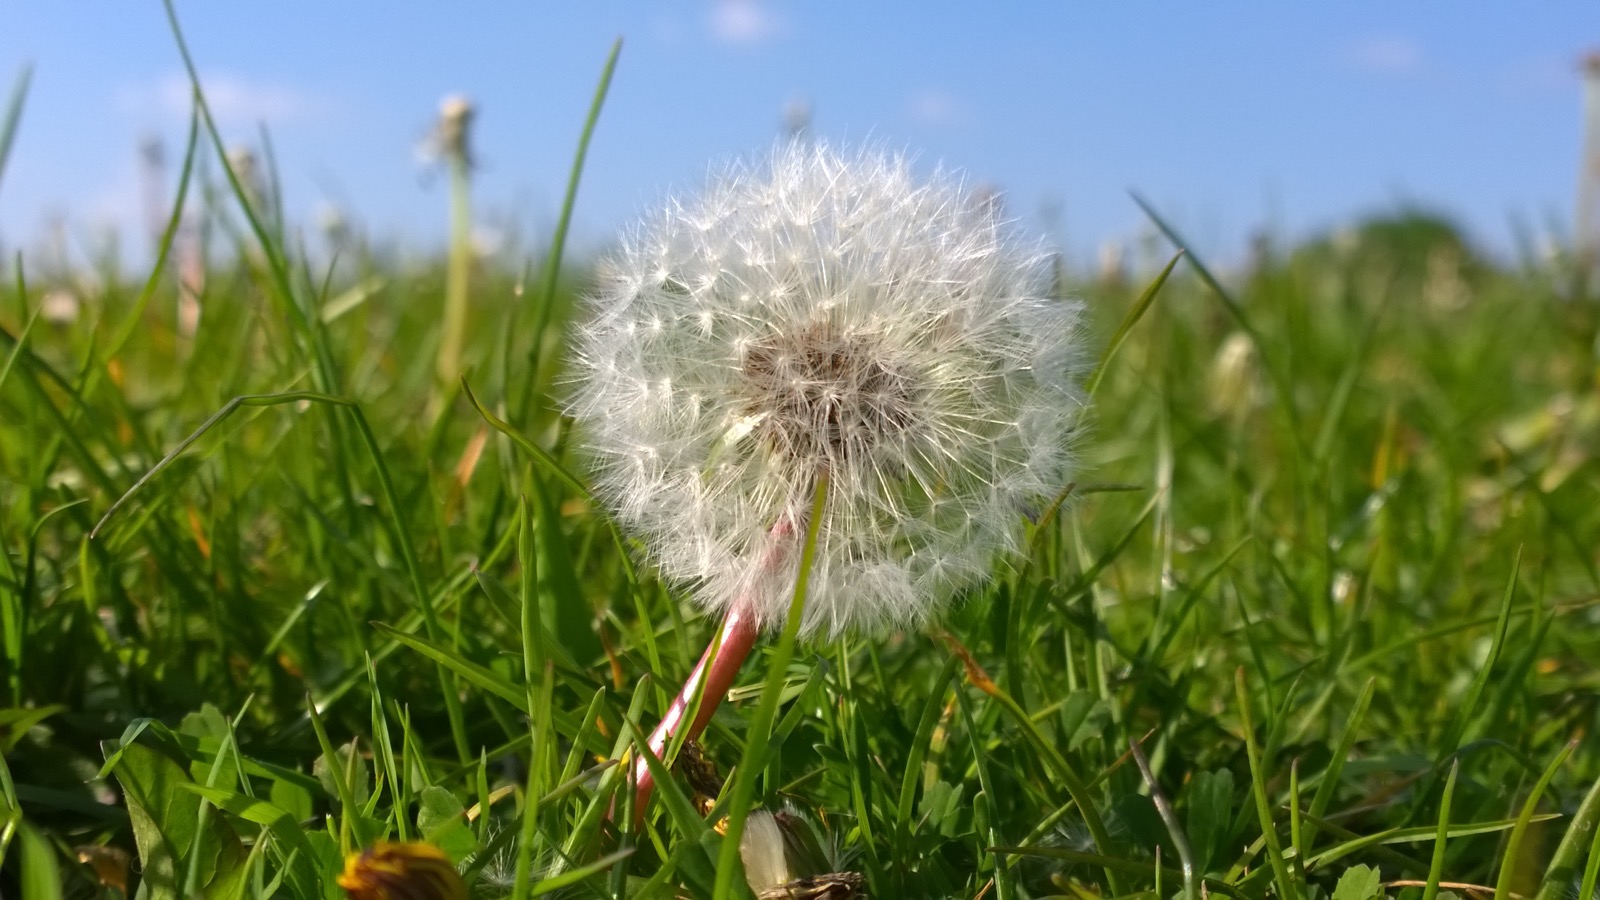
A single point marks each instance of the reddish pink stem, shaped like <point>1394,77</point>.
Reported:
<point>717,668</point>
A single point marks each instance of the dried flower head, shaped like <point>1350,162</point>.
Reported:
<point>828,312</point>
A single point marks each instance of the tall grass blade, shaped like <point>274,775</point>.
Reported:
<point>1135,313</point>
<point>13,116</point>
<point>1580,834</point>
<point>1258,788</point>
<point>1430,891</point>
<point>1512,856</point>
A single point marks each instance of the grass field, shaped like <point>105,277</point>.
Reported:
<point>1331,563</point>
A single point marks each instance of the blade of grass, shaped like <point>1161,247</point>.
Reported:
<point>1581,832</point>
<point>1451,739</point>
<point>21,339</point>
<point>533,653</point>
<point>1350,842</point>
<point>1280,381</point>
<point>1128,866</point>
<point>383,754</point>
<point>565,477</point>
<point>352,833</point>
<point>730,869</point>
<point>1135,313</point>
<point>1057,763</point>
<point>700,849</point>
<point>574,876</point>
<point>1161,633</point>
<point>858,761</point>
<point>1258,786</point>
<point>593,816</point>
<point>14,105</point>
<point>1330,778</point>
<point>1430,891</point>
<point>1591,870</point>
<point>534,450</point>
<point>931,709</point>
<point>1004,879</point>
<point>1510,858</point>
<point>402,534</point>
<point>543,746</point>
<point>1450,742</point>
<point>1296,835</point>
<point>558,239</point>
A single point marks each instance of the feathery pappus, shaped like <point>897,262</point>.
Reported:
<point>824,311</point>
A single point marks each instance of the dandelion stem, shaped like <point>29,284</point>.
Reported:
<point>455,122</point>
<point>715,671</point>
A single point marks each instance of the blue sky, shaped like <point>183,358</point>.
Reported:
<point>1229,116</point>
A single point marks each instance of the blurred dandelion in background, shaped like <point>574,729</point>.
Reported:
<point>1588,205</point>
<point>451,142</point>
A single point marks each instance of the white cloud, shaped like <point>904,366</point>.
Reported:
<point>1384,54</point>
<point>933,107</point>
<point>743,22</point>
<point>234,101</point>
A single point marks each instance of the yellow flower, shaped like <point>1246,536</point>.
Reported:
<point>401,871</point>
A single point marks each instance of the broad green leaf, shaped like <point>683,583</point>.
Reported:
<point>303,870</point>
<point>292,798</point>
<point>349,763</point>
<point>1210,817</point>
<point>1358,883</point>
<point>41,871</point>
<point>442,821</point>
<point>164,806</point>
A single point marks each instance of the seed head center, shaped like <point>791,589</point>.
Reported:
<point>818,393</point>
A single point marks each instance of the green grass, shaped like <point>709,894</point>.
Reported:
<point>1331,562</point>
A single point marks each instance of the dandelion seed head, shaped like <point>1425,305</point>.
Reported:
<point>824,312</point>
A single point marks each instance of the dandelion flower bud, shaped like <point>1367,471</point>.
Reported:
<point>828,313</point>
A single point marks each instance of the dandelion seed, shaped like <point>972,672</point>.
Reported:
<point>770,847</point>
<point>761,849</point>
<point>827,313</point>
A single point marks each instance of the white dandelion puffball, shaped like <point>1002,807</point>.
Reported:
<point>827,312</point>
